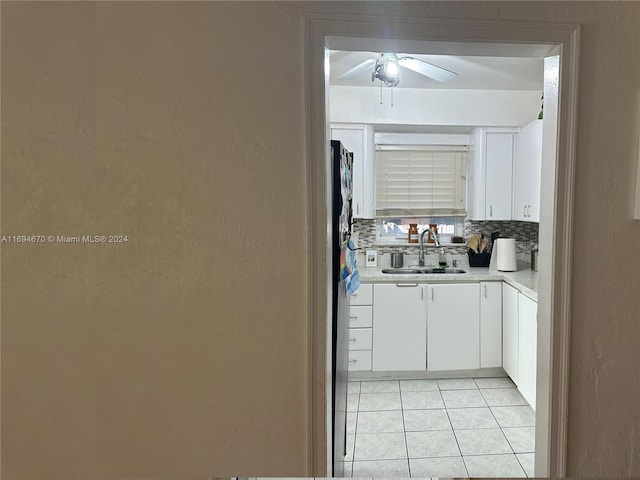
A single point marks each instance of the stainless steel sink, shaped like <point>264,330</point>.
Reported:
<point>422,270</point>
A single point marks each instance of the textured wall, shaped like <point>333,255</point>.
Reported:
<point>182,352</point>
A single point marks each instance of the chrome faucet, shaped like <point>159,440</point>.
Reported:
<point>442,259</point>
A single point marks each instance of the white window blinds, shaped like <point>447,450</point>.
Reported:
<point>420,181</point>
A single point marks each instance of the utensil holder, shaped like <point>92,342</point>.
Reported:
<point>397,260</point>
<point>478,259</point>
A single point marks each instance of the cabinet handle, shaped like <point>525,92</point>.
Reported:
<point>353,361</point>
<point>353,339</point>
<point>432,295</point>
<point>491,210</point>
<point>484,288</point>
<point>524,211</point>
<point>406,285</point>
<point>353,317</point>
<point>357,208</point>
<point>529,211</point>
<point>422,294</point>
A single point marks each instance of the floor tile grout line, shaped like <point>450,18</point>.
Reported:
<point>499,426</point>
<point>355,435</point>
<point>404,428</point>
<point>505,435</point>
<point>456,439</point>
<point>522,466</point>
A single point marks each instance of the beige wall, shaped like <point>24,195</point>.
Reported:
<point>183,352</point>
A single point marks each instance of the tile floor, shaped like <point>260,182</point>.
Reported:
<point>478,427</point>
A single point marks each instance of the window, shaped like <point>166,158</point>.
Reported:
<point>400,226</point>
<point>397,229</point>
<point>420,181</point>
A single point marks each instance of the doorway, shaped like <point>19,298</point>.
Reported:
<point>556,211</point>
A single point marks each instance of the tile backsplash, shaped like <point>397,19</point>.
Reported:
<point>525,233</point>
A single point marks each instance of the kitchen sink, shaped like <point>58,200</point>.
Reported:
<point>422,270</point>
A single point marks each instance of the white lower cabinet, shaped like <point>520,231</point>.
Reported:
<point>445,327</point>
<point>359,360</point>
<point>361,316</point>
<point>399,327</point>
<point>527,348</point>
<point>510,331</point>
<point>453,336</point>
<point>520,341</point>
<point>360,331</point>
<point>360,338</point>
<point>363,295</point>
<point>490,324</point>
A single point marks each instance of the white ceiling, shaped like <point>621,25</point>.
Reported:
<point>484,72</point>
<point>483,66</point>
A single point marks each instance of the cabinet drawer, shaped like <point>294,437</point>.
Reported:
<point>360,338</point>
<point>361,316</point>
<point>363,296</point>
<point>359,360</point>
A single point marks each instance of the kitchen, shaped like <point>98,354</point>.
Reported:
<point>442,367</point>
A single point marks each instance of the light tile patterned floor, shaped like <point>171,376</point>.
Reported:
<point>439,428</point>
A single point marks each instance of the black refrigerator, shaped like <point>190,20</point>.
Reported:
<point>344,280</point>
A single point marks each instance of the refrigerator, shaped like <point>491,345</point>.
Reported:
<point>344,281</point>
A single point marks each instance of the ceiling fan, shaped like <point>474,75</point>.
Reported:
<point>386,68</point>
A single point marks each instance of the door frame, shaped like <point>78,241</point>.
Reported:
<point>555,238</point>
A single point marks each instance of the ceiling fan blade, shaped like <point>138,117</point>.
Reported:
<point>358,70</point>
<point>428,69</point>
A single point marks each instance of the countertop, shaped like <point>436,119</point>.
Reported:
<point>524,279</point>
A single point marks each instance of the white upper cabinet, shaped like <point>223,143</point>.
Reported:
<point>490,174</point>
<point>359,139</point>
<point>527,170</point>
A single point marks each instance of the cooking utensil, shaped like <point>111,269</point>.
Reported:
<point>484,244</point>
<point>474,243</point>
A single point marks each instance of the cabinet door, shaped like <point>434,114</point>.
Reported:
<point>359,140</point>
<point>510,331</point>
<point>360,338</point>
<point>363,295</point>
<point>359,360</point>
<point>535,172</point>
<point>476,173</point>
<point>490,324</point>
<point>453,337</point>
<point>399,327</point>
<point>527,348</point>
<point>527,171</point>
<point>499,173</point>
<point>361,316</point>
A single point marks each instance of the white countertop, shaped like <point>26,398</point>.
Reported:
<point>525,280</point>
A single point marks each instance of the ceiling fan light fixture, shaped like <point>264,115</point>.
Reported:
<point>387,70</point>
